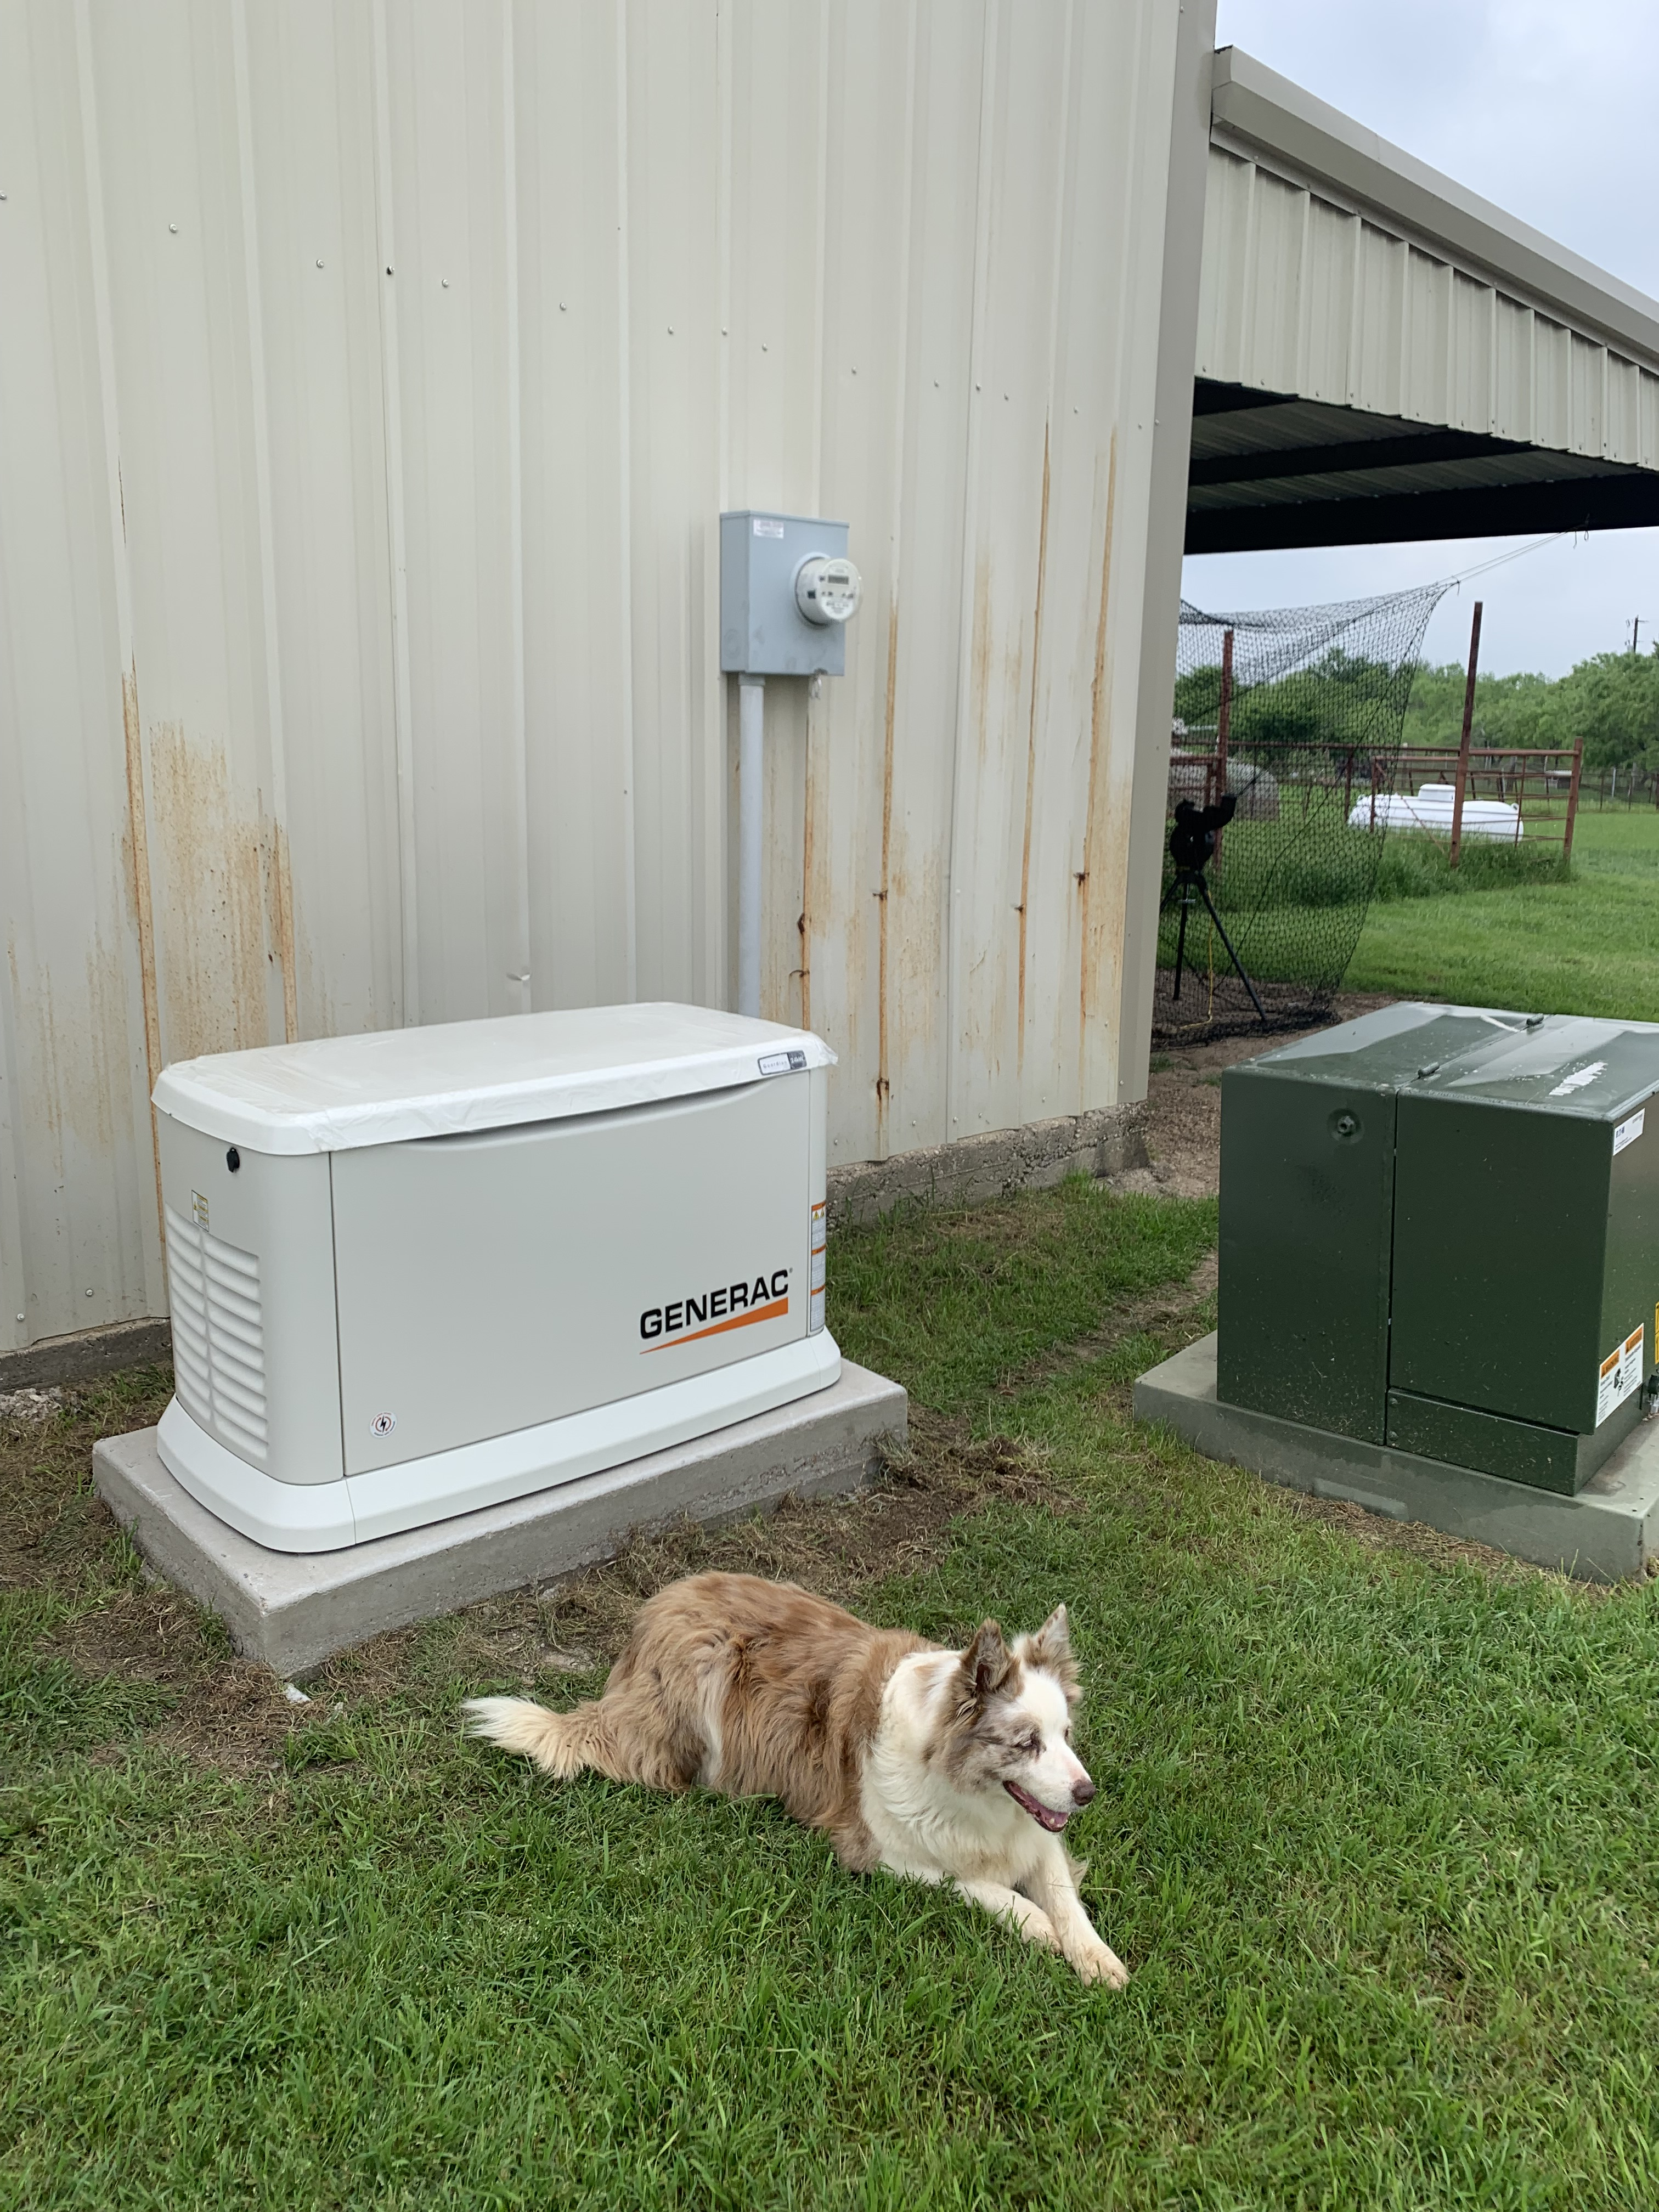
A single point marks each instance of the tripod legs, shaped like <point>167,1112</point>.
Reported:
<point>1204,893</point>
<point>1186,882</point>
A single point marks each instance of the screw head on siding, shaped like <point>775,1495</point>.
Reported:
<point>173,228</point>
<point>444,280</point>
<point>320,264</point>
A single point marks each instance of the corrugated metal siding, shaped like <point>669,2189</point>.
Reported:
<point>371,378</point>
<point>1304,296</point>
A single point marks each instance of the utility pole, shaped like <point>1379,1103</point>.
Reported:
<point>1463,747</point>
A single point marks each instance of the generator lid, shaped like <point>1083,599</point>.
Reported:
<point>334,1094</point>
<point>1579,1065</point>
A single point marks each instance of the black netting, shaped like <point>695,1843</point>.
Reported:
<point>1298,714</point>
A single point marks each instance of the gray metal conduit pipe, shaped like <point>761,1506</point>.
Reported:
<point>751,733</point>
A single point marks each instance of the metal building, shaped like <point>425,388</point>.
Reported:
<point>1384,356</point>
<point>373,375</point>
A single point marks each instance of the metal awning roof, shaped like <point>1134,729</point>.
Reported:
<point>1384,356</point>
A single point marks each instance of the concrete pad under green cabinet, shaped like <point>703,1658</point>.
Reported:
<point>1609,1532</point>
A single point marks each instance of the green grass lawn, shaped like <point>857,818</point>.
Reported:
<point>1590,945</point>
<point>1377,1832</point>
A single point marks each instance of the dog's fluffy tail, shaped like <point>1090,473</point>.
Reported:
<point>562,1744</point>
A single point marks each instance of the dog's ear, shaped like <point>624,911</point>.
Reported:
<point>1050,1648</point>
<point>986,1664</point>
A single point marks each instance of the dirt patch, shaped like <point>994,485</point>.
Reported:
<point>838,1546</point>
<point>237,1719</point>
<point>57,1539</point>
<point>1208,1057</point>
<point>1184,1137</point>
<point>53,1529</point>
<point>27,1408</point>
<point>1183,1105</point>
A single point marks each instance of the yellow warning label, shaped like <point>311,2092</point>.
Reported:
<point>1619,1373</point>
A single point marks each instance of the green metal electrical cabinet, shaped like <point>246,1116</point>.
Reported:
<point>1440,1230</point>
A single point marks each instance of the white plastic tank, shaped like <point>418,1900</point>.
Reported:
<point>1433,807</point>
<point>424,1271</point>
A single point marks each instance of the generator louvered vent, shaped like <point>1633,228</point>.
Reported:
<point>218,1336</point>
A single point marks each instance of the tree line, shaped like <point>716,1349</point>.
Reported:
<point>1611,701</point>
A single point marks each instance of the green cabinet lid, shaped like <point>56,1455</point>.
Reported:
<point>1571,1064</point>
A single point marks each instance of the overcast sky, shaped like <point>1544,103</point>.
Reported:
<point>1547,108</point>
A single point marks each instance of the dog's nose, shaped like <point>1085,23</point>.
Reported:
<point>1083,1791</point>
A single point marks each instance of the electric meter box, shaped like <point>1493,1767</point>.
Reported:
<point>764,630</point>
<point>426,1270</point>
<point>1440,1232</point>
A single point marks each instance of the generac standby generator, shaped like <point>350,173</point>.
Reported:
<point>426,1270</point>
<point>1440,1231</point>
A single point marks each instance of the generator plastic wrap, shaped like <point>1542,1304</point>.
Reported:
<point>1299,713</point>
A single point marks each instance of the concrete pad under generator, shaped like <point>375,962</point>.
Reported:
<point>294,1610</point>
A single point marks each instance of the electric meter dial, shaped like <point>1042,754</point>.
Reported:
<point>827,589</point>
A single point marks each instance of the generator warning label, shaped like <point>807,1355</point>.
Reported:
<point>815,1287</point>
<point>1621,1373</point>
<point>1628,1130</point>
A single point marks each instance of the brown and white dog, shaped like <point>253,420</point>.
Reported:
<point>951,1766</point>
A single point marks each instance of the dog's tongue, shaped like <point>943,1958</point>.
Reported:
<point>1053,1822</point>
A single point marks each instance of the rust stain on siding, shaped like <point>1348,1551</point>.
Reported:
<point>283,883</point>
<point>1097,919</point>
<point>918,893</point>
<point>1030,750</point>
<point>227,915</point>
<point>971,1032</point>
<point>884,1082</point>
<point>135,850</point>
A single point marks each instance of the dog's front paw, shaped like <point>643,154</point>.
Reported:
<point>1035,1925</point>
<point>1100,1963</point>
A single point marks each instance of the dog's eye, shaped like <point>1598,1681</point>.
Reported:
<point>1032,1746</point>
